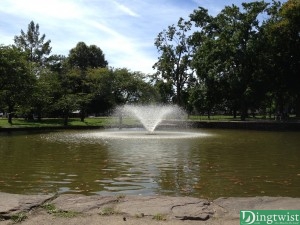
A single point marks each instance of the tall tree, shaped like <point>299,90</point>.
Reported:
<point>33,44</point>
<point>17,83</point>
<point>228,52</point>
<point>282,54</point>
<point>173,64</point>
<point>112,87</point>
<point>207,63</point>
<point>83,57</point>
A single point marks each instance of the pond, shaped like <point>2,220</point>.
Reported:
<point>207,163</point>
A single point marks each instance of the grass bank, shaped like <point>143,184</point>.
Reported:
<point>223,122</point>
<point>54,122</point>
<point>59,122</point>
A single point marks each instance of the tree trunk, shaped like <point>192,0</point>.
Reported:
<point>234,113</point>
<point>297,108</point>
<point>39,114</point>
<point>178,98</point>
<point>10,115</point>
<point>66,118</point>
<point>243,111</point>
<point>82,115</point>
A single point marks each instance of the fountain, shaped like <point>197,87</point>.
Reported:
<point>171,117</point>
<point>151,115</point>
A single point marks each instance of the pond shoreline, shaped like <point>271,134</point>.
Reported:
<point>96,209</point>
<point>243,125</point>
<point>248,125</point>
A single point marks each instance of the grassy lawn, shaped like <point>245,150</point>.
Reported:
<point>47,122</point>
<point>292,118</point>
<point>107,121</point>
<point>52,122</point>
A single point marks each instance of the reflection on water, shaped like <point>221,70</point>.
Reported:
<point>220,163</point>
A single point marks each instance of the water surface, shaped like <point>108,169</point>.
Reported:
<point>211,164</point>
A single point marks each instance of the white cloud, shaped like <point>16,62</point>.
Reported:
<point>55,9</point>
<point>126,10</point>
<point>124,29</point>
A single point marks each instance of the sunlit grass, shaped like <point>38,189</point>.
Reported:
<point>45,122</point>
<point>114,121</point>
<point>53,122</point>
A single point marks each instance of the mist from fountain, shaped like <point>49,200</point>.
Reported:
<point>151,116</point>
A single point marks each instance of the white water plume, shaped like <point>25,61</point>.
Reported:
<point>152,115</point>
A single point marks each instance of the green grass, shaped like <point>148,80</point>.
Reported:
<point>47,122</point>
<point>213,117</point>
<point>58,122</point>
<point>19,217</point>
<point>51,209</point>
<point>230,118</point>
<point>108,121</point>
<point>108,211</point>
<point>159,217</point>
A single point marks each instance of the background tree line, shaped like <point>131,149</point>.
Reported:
<point>239,60</point>
<point>33,82</point>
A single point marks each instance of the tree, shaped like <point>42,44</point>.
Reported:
<point>34,45</point>
<point>37,49</point>
<point>83,57</point>
<point>65,98</point>
<point>228,52</point>
<point>130,87</point>
<point>165,90</point>
<point>282,58</point>
<point>103,99</point>
<point>173,64</point>
<point>112,87</point>
<point>17,83</point>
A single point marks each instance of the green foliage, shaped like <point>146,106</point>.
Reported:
<point>83,57</point>
<point>282,47</point>
<point>51,209</point>
<point>245,58</point>
<point>173,64</point>
<point>16,81</point>
<point>226,59</point>
<point>33,44</point>
<point>108,211</point>
<point>159,217</point>
<point>19,217</point>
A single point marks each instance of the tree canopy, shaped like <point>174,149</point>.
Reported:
<point>245,59</point>
<point>33,44</point>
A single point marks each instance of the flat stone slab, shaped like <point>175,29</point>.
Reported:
<point>136,209</point>
<point>13,203</point>
<point>230,207</point>
<point>83,204</point>
<point>173,207</point>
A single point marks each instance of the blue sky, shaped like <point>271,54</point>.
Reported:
<point>124,29</point>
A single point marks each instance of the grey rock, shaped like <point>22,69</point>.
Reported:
<point>82,203</point>
<point>137,209</point>
<point>231,207</point>
<point>184,208</point>
<point>14,203</point>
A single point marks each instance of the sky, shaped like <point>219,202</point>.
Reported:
<point>125,30</point>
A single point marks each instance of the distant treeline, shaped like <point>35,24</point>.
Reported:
<point>245,59</point>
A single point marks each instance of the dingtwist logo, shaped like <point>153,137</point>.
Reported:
<point>247,217</point>
<point>267,217</point>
